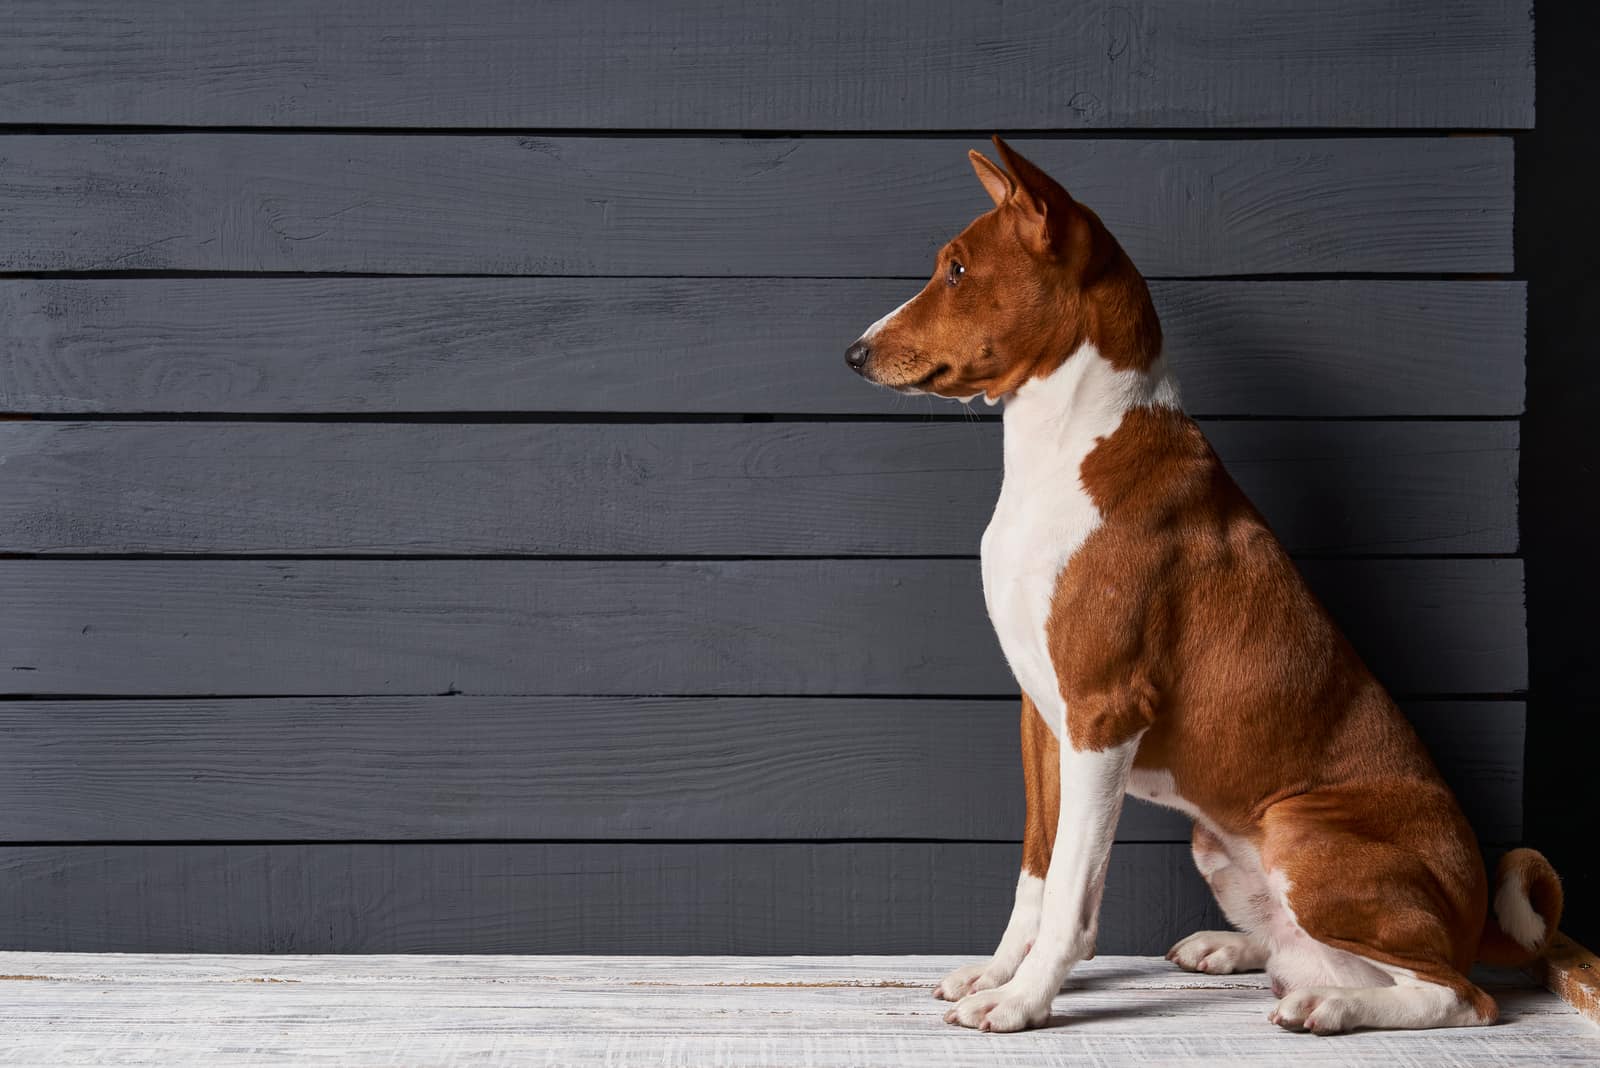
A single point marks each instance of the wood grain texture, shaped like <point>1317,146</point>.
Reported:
<point>587,768</point>
<point>384,345</point>
<point>817,1012</point>
<point>769,65</point>
<point>806,489</point>
<point>774,627</point>
<point>597,973</point>
<point>1572,973</point>
<point>507,897</point>
<point>851,207</point>
<point>669,267</point>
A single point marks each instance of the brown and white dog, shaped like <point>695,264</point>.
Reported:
<point>1167,647</point>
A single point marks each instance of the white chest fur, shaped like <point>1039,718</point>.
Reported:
<point>1044,514</point>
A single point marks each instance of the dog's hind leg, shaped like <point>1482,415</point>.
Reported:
<point>1240,887</point>
<point>1041,775</point>
<point>1412,1003</point>
<point>1374,932</point>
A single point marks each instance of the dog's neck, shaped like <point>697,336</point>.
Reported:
<point>1060,415</point>
<point>1044,511</point>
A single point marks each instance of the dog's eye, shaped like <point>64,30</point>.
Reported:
<point>956,271</point>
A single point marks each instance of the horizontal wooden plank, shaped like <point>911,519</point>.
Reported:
<point>830,64</point>
<point>835,207</point>
<point>774,627</point>
<point>828,979</point>
<point>597,974</point>
<point>806,489</point>
<point>383,345</point>
<point>587,768</point>
<point>840,1011</point>
<point>848,897</point>
<point>1573,973</point>
<point>210,1010</point>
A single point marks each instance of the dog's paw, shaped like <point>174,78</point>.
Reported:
<point>1320,1010</point>
<point>1005,1008</point>
<point>958,984</point>
<point>1218,953</point>
<point>971,979</point>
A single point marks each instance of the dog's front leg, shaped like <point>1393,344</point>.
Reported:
<point>1041,766</point>
<point>1092,786</point>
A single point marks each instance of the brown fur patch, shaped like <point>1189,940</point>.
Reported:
<point>1041,775</point>
<point>1183,616</point>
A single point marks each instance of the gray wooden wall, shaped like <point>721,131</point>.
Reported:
<point>437,517</point>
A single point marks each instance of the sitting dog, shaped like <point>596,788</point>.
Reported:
<point>1167,647</point>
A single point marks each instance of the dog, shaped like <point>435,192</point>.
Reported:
<point>1167,647</point>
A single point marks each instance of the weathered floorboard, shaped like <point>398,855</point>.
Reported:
<point>1573,973</point>
<point>587,768</point>
<point>808,489</point>
<point>383,345</point>
<point>359,345</point>
<point>828,1011</point>
<point>562,897</point>
<point>840,207</point>
<point>829,64</point>
<point>129,627</point>
<point>596,972</point>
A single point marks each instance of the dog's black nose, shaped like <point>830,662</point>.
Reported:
<point>856,355</point>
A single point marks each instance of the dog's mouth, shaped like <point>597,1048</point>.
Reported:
<point>920,385</point>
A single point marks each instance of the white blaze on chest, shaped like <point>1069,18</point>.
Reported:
<point>1044,513</point>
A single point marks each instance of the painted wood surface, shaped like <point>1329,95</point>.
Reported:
<point>386,345</point>
<point>843,1011</point>
<point>807,489</point>
<point>588,768</point>
<point>799,973</point>
<point>773,627</point>
<point>832,207</point>
<point>1572,973</point>
<point>770,65</point>
<point>705,202</point>
<point>563,897</point>
<point>447,1026</point>
<point>831,1011</point>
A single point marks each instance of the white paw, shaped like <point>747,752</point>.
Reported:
<point>958,984</point>
<point>1218,953</point>
<point>1322,1010</point>
<point>1005,1008</point>
<point>972,978</point>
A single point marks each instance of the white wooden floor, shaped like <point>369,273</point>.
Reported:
<point>59,1009</point>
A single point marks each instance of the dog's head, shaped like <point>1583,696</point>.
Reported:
<point>1013,295</point>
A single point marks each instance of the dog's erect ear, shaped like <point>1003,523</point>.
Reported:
<point>996,182</point>
<point>1033,187</point>
<point>1056,222</point>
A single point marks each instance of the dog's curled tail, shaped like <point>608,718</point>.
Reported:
<point>1526,910</point>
